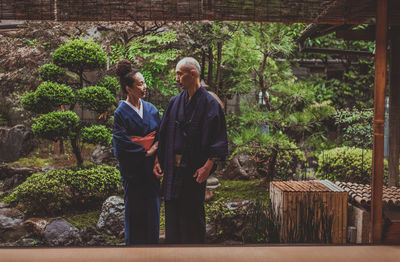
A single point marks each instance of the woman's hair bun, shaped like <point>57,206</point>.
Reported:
<point>124,67</point>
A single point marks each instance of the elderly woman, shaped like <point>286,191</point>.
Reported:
<point>135,121</point>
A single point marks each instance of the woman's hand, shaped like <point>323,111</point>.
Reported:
<point>157,169</point>
<point>152,150</point>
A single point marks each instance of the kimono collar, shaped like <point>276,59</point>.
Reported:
<point>195,95</point>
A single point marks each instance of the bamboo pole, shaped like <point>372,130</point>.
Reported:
<point>379,118</point>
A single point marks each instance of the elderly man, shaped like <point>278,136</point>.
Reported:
<point>192,137</point>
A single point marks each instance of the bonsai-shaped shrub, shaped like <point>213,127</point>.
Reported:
<point>347,164</point>
<point>50,72</point>
<point>77,56</point>
<point>95,98</point>
<point>48,96</point>
<point>57,191</point>
<point>96,134</point>
<point>111,83</point>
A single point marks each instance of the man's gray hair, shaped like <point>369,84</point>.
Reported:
<point>189,63</point>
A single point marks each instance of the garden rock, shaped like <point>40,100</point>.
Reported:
<point>111,220</point>
<point>162,236</point>
<point>241,167</point>
<point>29,242</point>
<point>13,182</point>
<point>7,171</point>
<point>3,205</point>
<point>91,237</point>
<point>212,182</point>
<point>47,168</point>
<point>102,154</point>
<point>15,142</point>
<point>238,203</point>
<point>59,232</point>
<point>210,232</point>
<point>11,225</point>
<point>36,226</point>
<point>209,195</point>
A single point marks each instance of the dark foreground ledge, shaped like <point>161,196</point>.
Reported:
<point>205,253</point>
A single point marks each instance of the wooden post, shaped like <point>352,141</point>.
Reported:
<point>379,118</point>
<point>394,111</point>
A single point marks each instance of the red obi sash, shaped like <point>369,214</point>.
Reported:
<point>145,141</point>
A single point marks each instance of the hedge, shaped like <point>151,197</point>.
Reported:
<point>60,190</point>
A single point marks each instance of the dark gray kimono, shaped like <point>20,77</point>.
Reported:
<point>196,129</point>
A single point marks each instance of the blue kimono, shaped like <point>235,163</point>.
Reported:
<point>195,129</point>
<point>141,187</point>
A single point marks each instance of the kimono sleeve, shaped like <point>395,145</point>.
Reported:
<point>123,145</point>
<point>217,137</point>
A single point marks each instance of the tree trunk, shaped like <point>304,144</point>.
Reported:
<point>59,144</point>
<point>394,113</point>
<point>203,64</point>
<point>261,81</point>
<point>59,147</point>
<point>76,150</point>
<point>81,79</point>
<point>210,66</point>
<point>218,77</point>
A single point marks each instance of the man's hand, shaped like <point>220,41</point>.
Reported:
<point>152,150</point>
<point>203,172</point>
<point>157,171</point>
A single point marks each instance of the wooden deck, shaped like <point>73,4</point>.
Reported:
<point>206,253</point>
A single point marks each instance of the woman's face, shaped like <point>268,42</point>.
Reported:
<point>139,87</point>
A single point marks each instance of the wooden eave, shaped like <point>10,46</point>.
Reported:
<point>305,11</point>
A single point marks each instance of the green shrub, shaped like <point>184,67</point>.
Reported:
<point>30,102</point>
<point>96,134</point>
<point>356,126</point>
<point>111,83</point>
<point>56,125</point>
<point>57,191</point>
<point>347,164</point>
<point>47,97</point>
<point>50,72</point>
<point>79,55</point>
<point>96,98</point>
<point>287,162</point>
<point>263,146</point>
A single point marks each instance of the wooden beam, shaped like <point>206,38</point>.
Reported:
<point>366,35</point>
<point>337,51</point>
<point>379,118</point>
<point>394,112</point>
<point>200,253</point>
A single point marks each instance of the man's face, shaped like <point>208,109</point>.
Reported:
<point>185,77</point>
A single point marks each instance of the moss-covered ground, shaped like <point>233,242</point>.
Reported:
<point>249,190</point>
<point>45,155</point>
<point>229,190</point>
<point>82,221</point>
